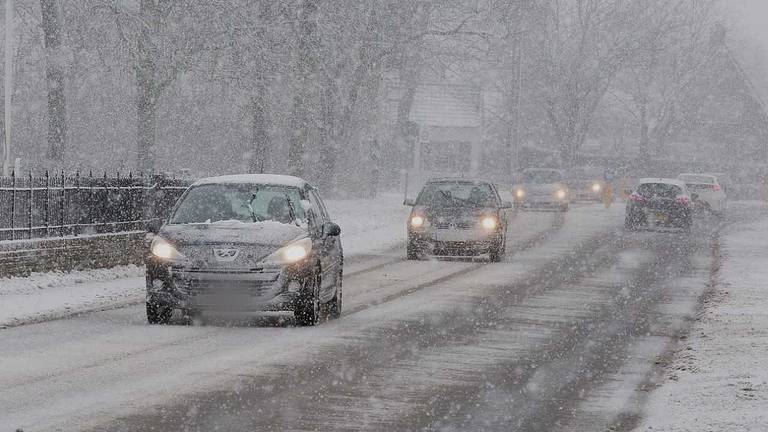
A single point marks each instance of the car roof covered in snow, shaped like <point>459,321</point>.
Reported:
<point>675,182</point>
<point>458,180</point>
<point>265,179</point>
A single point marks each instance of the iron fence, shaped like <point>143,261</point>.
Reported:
<point>71,205</point>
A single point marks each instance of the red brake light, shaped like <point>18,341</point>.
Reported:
<point>683,199</point>
<point>716,188</point>
<point>636,197</point>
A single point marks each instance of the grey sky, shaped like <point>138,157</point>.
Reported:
<point>751,16</point>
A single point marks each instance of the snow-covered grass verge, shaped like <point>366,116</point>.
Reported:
<point>718,380</point>
<point>367,226</point>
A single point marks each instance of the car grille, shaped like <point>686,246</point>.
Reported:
<point>255,284</point>
<point>462,225</point>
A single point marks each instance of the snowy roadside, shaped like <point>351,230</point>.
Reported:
<point>368,226</point>
<point>718,380</point>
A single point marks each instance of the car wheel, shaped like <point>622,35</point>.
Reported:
<point>158,314</point>
<point>334,305</point>
<point>498,250</point>
<point>630,224</point>
<point>307,312</point>
<point>412,252</point>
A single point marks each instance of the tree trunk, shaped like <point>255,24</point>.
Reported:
<point>327,147</point>
<point>259,129</point>
<point>644,149</point>
<point>306,67</point>
<point>57,107</point>
<point>146,105</point>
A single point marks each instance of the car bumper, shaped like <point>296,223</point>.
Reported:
<point>242,291</point>
<point>454,242</point>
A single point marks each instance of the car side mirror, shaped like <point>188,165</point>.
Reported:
<point>506,205</point>
<point>331,229</point>
<point>153,225</point>
<point>409,202</point>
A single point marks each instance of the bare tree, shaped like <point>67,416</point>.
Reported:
<point>57,106</point>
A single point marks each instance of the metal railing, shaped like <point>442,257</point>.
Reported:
<point>71,205</point>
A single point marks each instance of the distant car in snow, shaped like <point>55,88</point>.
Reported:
<point>659,203</point>
<point>586,183</point>
<point>456,216</point>
<point>710,192</point>
<point>245,244</point>
<point>542,188</point>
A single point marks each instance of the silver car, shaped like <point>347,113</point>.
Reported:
<point>245,244</point>
<point>541,188</point>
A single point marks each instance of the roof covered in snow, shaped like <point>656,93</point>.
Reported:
<point>441,105</point>
<point>270,179</point>
<point>675,182</point>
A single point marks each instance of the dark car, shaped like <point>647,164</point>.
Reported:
<point>246,244</point>
<point>457,217</point>
<point>659,203</point>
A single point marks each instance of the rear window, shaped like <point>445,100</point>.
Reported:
<point>542,176</point>
<point>697,179</point>
<point>457,194</point>
<point>662,190</point>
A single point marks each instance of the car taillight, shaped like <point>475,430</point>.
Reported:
<point>636,198</point>
<point>683,200</point>
<point>716,188</point>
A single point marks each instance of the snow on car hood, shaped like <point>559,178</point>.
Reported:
<point>267,233</point>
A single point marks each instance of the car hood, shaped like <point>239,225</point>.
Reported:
<point>452,213</point>
<point>252,241</point>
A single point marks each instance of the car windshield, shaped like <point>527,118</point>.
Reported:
<point>661,190</point>
<point>213,203</point>
<point>542,176</point>
<point>692,178</point>
<point>457,194</point>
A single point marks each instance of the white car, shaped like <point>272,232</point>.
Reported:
<point>542,188</point>
<point>709,193</point>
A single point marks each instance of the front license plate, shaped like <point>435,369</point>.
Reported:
<point>221,300</point>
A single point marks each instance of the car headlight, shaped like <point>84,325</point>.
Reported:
<point>488,222</point>
<point>417,221</point>
<point>292,253</point>
<point>164,250</point>
<point>520,194</point>
<point>560,194</point>
<point>596,187</point>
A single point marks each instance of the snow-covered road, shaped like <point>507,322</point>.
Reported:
<point>527,344</point>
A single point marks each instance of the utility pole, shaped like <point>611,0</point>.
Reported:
<point>8,85</point>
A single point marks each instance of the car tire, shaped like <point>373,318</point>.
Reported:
<point>334,305</point>
<point>158,314</point>
<point>630,224</point>
<point>307,311</point>
<point>412,252</point>
<point>497,251</point>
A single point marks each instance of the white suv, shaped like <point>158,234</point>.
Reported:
<point>710,194</point>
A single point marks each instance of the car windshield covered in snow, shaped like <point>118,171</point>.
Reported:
<point>661,190</point>
<point>211,203</point>
<point>457,194</point>
<point>542,176</point>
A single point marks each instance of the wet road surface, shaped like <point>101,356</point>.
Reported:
<point>560,336</point>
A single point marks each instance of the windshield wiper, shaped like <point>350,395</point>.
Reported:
<point>291,210</point>
<point>250,206</point>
